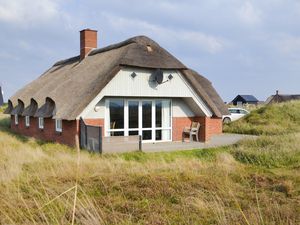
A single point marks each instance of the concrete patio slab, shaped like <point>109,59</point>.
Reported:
<point>216,141</point>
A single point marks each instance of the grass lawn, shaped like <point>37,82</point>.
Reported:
<point>252,182</point>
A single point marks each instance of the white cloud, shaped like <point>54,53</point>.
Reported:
<point>23,12</point>
<point>206,42</point>
<point>249,14</point>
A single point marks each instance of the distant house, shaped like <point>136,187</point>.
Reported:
<point>1,97</point>
<point>132,88</point>
<point>277,98</point>
<point>244,99</point>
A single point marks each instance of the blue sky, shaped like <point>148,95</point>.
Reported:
<point>242,46</point>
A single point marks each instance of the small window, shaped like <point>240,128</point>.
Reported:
<point>58,125</point>
<point>41,122</point>
<point>27,121</point>
<point>16,120</point>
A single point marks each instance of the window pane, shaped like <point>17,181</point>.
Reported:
<point>158,135</point>
<point>162,135</point>
<point>147,114</point>
<point>158,114</point>
<point>163,113</point>
<point>116,113</point>
<point>147,134</point>
<point>166,135</point>
<point>133,133</point>
<point>116,133</point>
<point>133,114</point>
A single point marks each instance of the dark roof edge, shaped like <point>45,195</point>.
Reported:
<point>69,60</point>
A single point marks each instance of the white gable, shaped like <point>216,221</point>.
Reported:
<point>142,85</point>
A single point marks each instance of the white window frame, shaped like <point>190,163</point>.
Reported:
<point>58,125</point>
<point>16,119</point>
<point>126,129</point>
<point>41,122</point>
<point>27,121</point>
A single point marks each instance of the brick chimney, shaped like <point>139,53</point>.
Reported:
<point>88,41</point>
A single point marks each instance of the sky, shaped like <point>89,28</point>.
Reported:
<point>241,46</point>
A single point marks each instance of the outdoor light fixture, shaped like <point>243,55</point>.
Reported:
<point>170,77</point>
<point>133,75</point>
<point>97,108</point>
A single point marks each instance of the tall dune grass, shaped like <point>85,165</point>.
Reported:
<point>272,119</point>
<point>253,182</point>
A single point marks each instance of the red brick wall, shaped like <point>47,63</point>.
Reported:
<point>67,136</point>
<point>208,127</point>
<point>214,126</point>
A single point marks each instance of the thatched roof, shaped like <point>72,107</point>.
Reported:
<point>281,98</point>
<point>72,84</point>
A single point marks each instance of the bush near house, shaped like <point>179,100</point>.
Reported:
<point>252,182</point>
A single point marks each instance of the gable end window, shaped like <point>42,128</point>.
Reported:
<point>27,121</point>
<point>16,120</point>
<point>58,125</point>
<point>41,122</point>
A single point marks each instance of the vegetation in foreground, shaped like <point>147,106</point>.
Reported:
<point>253,182</point>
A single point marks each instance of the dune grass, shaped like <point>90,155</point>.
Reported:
<point>273,119</point>
<point>252,182</point>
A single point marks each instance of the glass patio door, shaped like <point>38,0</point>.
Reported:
<point>150,118</point>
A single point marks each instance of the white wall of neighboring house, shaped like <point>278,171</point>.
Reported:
<point>184,100</point>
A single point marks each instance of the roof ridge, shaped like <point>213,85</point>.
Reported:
<point>135,39</point>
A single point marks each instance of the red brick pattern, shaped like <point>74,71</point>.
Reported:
<point>88,41</point>
<point>208,127</point>
<point>214,126</point>
<point>67,136</point>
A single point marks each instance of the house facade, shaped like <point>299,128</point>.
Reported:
<point>244,99</point>
<point>134,87</point>
<point>278,98</point>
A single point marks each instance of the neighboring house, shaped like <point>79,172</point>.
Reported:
<point>134,87</point>
<point>277,98</point>
<point>244,99</point>
<point>1,97</point>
